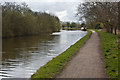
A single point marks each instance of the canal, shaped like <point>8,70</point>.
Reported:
<point>22,56</point>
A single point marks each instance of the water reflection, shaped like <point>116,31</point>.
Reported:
<point>22,56</point>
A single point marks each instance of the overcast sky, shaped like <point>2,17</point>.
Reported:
<point>64,9</point>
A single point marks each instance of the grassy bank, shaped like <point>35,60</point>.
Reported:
<point>54,66</point>
<point>110,49</point>
<point>68,28</point>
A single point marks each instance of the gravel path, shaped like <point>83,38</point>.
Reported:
<point>88,61</point>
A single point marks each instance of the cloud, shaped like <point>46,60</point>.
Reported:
<point>64,9</point>
<point>61,14</point>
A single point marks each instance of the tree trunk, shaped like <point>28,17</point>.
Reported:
<point>115,30</point>
<point>111,30</point>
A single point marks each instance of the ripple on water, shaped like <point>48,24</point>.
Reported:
<point>4,74</point>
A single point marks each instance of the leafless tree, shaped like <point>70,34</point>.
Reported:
<point>100,12</point>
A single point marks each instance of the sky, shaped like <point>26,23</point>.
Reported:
<point>64,9</point>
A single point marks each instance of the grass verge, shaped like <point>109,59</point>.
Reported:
<point>54,66</point>
<point>110,49</point>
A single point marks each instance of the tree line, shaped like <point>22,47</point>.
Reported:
<point>95,14</point>
<point>70,24</point>
<point>20,20</point>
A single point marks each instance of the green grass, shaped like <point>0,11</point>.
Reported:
<point>54,66</point>
<point>110,49</point>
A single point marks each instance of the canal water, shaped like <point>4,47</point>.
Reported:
<point>22,56</point>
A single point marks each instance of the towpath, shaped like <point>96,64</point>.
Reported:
<point>88,61</point>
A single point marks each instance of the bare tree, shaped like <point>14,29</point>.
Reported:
<point>102,12</point>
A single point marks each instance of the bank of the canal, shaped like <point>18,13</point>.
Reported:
<point>53,67</point>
